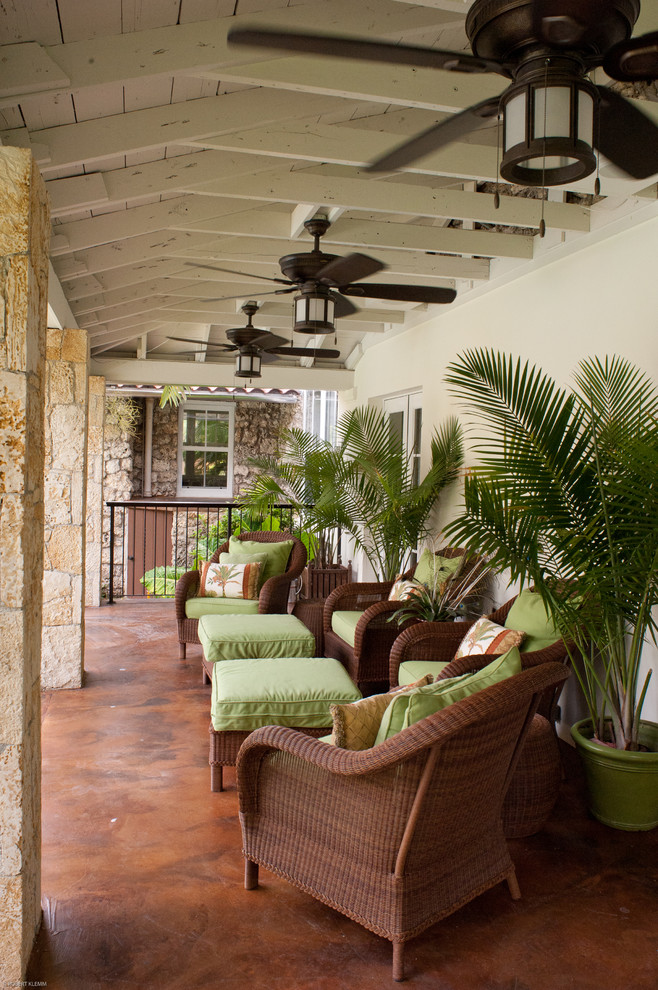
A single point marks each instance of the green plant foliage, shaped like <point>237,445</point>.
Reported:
<point>362,486</point>
<point>565,495</point>
<point>445,597</point>
<point>122,416</point>
<point>161,581</point>
<point>173,395</point>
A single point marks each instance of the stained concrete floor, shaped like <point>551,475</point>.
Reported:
<point>142,870</point>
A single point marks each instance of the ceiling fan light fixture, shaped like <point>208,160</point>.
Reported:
<point>548,130</point>
<point>313,311</point>
<point>248,363</point>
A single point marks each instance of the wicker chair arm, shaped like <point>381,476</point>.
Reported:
<point>426,641</point>
<point>401,748</point>
<point>353,597</point>
<point>273,597</point>
<point>186,587</point>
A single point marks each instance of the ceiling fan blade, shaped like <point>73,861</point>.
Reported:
<point>342,306</point>
<point>306,351</point>
<point>349,269</point>
<point>401,293</point>
<point>566,22</point>
<point>437,136</point>
<point>626,136</point>
<point>635,60</point>
<point>340,46</point>
<point>201,343</point>
<point>269,341</point>
<point>232,271</point>
<point>252,295</point>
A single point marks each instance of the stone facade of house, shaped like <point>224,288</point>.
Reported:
<point>257,425</point>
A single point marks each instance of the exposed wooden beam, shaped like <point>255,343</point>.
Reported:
<point>159,372</point>
<point>363,192</point>
<point>189,48</point>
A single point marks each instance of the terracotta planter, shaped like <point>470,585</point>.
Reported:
<point>318,582</point>
<point>622,786</point>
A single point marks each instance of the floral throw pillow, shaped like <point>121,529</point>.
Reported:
<point>229,580</point>
<point>487,637</point>
<point>403,588</point>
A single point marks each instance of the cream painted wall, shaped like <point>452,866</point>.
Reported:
<point>600,300</point>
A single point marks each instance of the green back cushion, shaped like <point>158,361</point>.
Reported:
<point>529,614</point>
<point>404,710</point>
<point>196,607</point>
<point>231,637</point>
<point>290,691</point>
<point>413,670</point>
<point>432,567</point>
<point>276,554</point>
<point>344,625</point>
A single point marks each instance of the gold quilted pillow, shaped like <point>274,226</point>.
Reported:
<point>355,725</point>
<point>486,638</point>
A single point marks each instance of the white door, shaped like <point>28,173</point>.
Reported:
<point>405,413</point>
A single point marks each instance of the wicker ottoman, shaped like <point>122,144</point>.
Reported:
<point>237,637</point>
<point>291,691</point>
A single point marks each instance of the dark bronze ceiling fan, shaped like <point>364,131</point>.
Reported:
<point>254,346</point>
<point>323,282</point>
<point>553,116</point>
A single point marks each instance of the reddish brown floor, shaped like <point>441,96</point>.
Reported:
<point>142,871</point>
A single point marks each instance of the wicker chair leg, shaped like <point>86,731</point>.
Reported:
<point>216,777</point>
<point>513,885</point>
<point>182,651</point>
<point>250,875</point>
<point>398,961</point>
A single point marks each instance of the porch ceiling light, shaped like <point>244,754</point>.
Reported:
<point>548,126</point>
<point>313,310</point>
<point>247,363</point>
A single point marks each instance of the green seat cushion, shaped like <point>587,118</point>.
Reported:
<point>344,625</point>
<point>432,567</point>
<point>196,607</point>
<point>529,615</point>
<point>413,670</point>
<point>231,637</point>
<point>406,709</point>
<point>276,554</point>
<point>287,691</point>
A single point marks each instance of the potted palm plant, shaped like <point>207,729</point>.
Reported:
<point>565,496</point>
<point>361,486</point>
<point>304,474</point>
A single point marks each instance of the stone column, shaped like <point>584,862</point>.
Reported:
<point>95,471</point>
<point>65,474</point>
<point>24,237</point>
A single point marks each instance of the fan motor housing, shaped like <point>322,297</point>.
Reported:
<point>503,30</point>
<point>304,267</point>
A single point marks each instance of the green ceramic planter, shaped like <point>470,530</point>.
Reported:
<point>622,786</point>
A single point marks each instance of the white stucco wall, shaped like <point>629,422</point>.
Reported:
<point>600,300</point>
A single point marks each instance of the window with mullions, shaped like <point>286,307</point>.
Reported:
<point>206,450</point>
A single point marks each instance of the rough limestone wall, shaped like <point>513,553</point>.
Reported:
<point>65,493</point>
<point>164,459</point>
<point>24,238</point>
<point>257,426</point>
<point>95,471</point>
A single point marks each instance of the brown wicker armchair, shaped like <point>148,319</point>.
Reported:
<point>273,597</point>
<point>438,641</point>
<point>367,661</point>
<point>398,836</point>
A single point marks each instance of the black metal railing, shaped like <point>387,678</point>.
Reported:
<point>149,543</point>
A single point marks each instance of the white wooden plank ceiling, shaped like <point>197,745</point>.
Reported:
<point>165,149</point>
